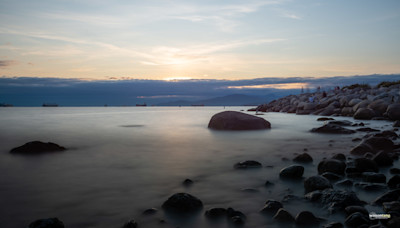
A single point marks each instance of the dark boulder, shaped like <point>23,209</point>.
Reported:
<point>187,182</point>
<point>332,165</point>
<point>331,176</point>
<point>345,183</point>
<point>391,206</point>
<point>216,213</point>
<point>339,156</point>
<point>324,119</point>
<point>396,123</point>
<point>303,158</point>
<point>130,224</point>
<point>271,207</point>
<point>364,114</point>
<point>332,129</point>
<point>235,217</point>
<point>36,147</point>
<point>316,183</point>
<point>230,120</point>
<point>365,165</point>
<point>380,143</point>
<point>283,216</point>
<point>150,211</point>
<point>47,223</point>
<point>393,111</point>
<point>357,219</point>
<point>383,159</point>
<point>362,149</point>
<point>247,164</point>
<point>395,171</point>
<point>341,122</point>
<point>182,203</point>
<point>389,196</point>
<point>292,172</point>
<point>394,182</point>
<point>306,218</point>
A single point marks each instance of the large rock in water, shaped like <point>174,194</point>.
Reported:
<point>182,203</point>
<point>332,129</point>
<point>393,111</point>
<point>35,147</point>
<point>230,120</point>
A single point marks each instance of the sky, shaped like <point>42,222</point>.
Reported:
<point>187,39</point>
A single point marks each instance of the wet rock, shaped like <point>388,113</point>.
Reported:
<point>150,211</point>
<point>389,196</point>
<point>334,200</point>
<point>395,171</point>
<point>303,158</point>
<point>236,217</point>
<point>393,111</point>
<point>333,225</point>
<point>394,223</point>
<point>316,183</point>
<point>130,224</point>
<point>345,183</point>
<point>36,147</point>
<point>394,182</point>
<point>306,218</point>
<point>332,165</point>
<point>216,213</point>
<point>364,114</point>
<point>324,119</point>
<point>352,209</point>
<point>370,187</point>
<point>187,182</point>
<point>237,220</point>
<point>374,177</point>
<point>331,176</point>
<point>247,164</point>
<point>340,157</point>
<point>292,172</point>
<point>387,134</point>
<point>356,139</point>
<point>367,129</point>
<point>365,165</point>
<point>182,203</point>
<point>380,143</point>
<point>361,149</point>
<point>357,219</point>
<point>47,223</point>
<point>230,120</point>
<point>341,122</point>
<point>332,129</point>
<point>396,123</point>
<point>383,159</point>
<point>283,216</point>
<point>249,190</point>
<point>271,207</point>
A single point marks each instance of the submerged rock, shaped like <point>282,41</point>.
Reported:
<point>303,158</point>
<point>47,223</point>
<point>182,203</point>
<point>292,172</point>
<point>389,196</point>
<point>332,129</point>
<point>357,219</point>
<point>334,200</point>
<point>36,147</point>
<point>247,164</point>
<point>230,120</point>
<point>216,213</point>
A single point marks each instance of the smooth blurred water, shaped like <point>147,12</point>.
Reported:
<point>121,161</point>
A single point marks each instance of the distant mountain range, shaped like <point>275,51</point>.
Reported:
<point>229,100</point>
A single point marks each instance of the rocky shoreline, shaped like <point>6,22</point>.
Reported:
<point>381,102</point>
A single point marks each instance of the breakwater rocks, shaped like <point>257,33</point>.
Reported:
<point>359,101</point>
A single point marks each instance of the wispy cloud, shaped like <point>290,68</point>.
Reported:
<point>7,63</point>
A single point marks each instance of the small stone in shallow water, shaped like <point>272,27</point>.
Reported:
<point>182,203</point>
<point>357,219</point>
<point>216,213</point>
<point>268,183</point>
<point>303,158</point>
<point>187,182</point>
<point>306,218</point>
<point>247,164</point>
<point>130,224</point>
<point>394,171</point>
<point>271,206</point>
<point>150,211</point>
<point>283,216</point>
<point>332,165</point>
<point>36,147</point>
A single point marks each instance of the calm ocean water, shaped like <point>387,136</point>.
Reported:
<point>121,161</point>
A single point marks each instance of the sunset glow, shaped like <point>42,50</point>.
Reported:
<point>273,86</point>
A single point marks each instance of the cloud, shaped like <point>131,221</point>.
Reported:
<point>7,63</point>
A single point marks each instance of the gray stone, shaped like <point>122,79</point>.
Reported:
<point>283,216</point>
<point>316,183</point>
<point>182,203</point>
<point>306,218</point>
<point>393,111</point>
<point>364,114</point>
<point>292,172</point>
<point>331,165</point>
